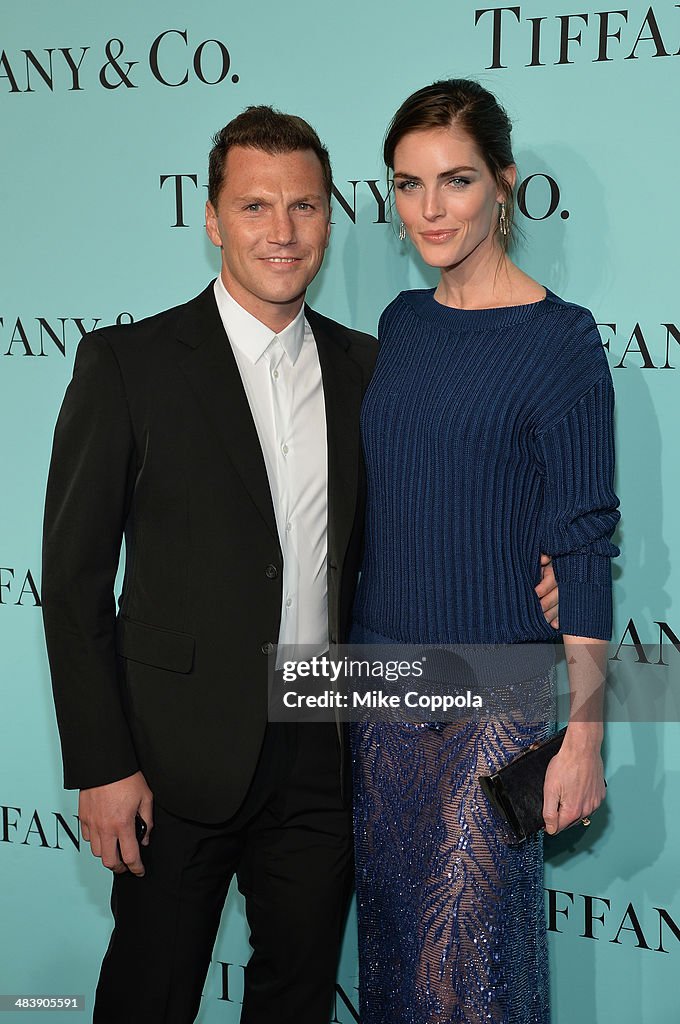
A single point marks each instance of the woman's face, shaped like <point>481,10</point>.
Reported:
<point>446,195</point>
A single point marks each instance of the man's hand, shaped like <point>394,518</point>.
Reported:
<point>548,592</point>
<point>107,816</point>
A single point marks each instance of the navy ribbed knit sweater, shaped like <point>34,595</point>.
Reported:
<point>488,439</point>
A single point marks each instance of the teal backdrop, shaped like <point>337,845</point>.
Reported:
<point>106,115</point>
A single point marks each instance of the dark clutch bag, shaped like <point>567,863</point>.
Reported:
<point>516,789</point>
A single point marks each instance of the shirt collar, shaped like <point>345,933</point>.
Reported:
<point>249,335</point>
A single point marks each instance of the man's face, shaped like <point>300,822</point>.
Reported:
<point>272,222</point>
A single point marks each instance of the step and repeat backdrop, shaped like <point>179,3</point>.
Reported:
<point>106,116</point>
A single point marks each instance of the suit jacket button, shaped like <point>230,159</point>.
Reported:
<point>268,647</point>
<point>271,572</point>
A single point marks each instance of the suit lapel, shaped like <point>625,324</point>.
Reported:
<point>207,361</point>
<point>342,385</point>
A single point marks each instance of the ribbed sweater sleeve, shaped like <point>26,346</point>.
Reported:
<point>580,510</point>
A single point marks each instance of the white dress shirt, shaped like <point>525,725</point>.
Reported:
<point>282,380</point>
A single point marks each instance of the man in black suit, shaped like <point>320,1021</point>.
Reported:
<point>221,440</point>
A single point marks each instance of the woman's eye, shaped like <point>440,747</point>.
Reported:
<point>407,186</point>
<point>459,182</point>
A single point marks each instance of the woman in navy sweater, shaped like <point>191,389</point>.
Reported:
<point>487,431</point>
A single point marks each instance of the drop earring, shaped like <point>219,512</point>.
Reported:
<point>503,221</point>
<point>402,232</point>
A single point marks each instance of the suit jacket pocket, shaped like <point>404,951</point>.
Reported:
<point>153,645</point>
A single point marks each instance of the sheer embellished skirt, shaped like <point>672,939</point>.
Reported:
<point>451,918</point>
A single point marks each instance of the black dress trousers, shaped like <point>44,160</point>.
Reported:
<point>290,847</point>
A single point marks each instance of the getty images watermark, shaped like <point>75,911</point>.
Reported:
<point>410,683</point>
<point>428,683</point>
<point>366,684</point>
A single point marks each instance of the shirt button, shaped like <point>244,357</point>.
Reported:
<point>275,375</point>
<point>289,602</point>
<point>289,527</point>
<point>271,572</point>
<point>284,449</point>
<point>268,647</point>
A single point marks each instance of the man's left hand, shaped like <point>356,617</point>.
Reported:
<point>548,592</point>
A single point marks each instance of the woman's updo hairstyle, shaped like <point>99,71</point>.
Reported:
<point>470,107</point>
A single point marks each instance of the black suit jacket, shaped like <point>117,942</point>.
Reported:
<point>155,442</point>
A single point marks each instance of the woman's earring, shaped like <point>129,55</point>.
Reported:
<point>402,232</point>
<point>503,220</point>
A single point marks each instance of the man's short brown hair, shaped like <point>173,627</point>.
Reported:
<point>271,131</point>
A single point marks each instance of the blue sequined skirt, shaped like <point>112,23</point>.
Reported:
<point>451,918</point>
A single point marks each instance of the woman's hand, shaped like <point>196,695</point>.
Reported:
<point>574,782</point>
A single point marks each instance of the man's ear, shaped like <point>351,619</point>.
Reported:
<point>211,226</point>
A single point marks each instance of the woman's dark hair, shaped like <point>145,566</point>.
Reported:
<point>271,131</point>
<point>471,107</point>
